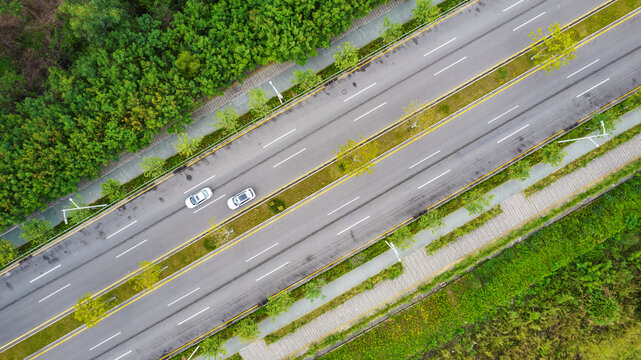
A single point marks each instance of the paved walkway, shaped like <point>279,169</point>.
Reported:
<point>363,31</point>
<point>420,267</point>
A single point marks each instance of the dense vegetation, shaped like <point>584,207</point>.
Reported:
<point>86,80</point>
<point>477,295</point>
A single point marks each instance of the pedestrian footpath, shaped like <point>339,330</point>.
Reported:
<point>420,267</point>
<point>269,78</point>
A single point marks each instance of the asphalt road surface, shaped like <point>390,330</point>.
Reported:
<point>294,143</point>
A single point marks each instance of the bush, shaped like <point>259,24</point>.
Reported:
<point>391,31</point>
<point>152,166</point>
<point>112,190</point>
<point>247,330</point>
<point>212,347</point>
<point>276,205</point>
<point>186,146</point>
<point>7,252</point>
<point>402,237</point>
<point>313,289</point>
<point>306,79</point>
<point>432,219</point>
<point>347,57</point>
<point>36,232</point>
<point>552,154</point>
<point>279,304</point>
<point>227,119</point>
<point>258,102</point>
<point>475,202</point>
<point>519,170</point>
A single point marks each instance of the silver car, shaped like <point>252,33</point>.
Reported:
<point>197,198</point>
<point>241,198</point>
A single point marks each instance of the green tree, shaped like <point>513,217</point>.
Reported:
<point>92,19</point>
<point>89,311</point>
<point>346,57</point>
<point>313,289</point>
<point>213,347</point>
<point>355,159</point>
<point>552,154</point>
<point>425,11</point>
<point>258,102</point>
<point>432,220</point>
<point>112,190</point>
<point>152,166</point>
<point>148,276</point>
<point>227,119</point>
<point>519,170</point>
<point>391,31</point>
<point>247,330</point>
<point>279,304</point>
<point>186,146</point>
<point>609,120</point>
<point>188,64</point>
<point>306,79</point>
<point>403,237</point>
<point>555,50</point>
<point>475,202</point>
<point>36,232</point>
<point>7,252</point>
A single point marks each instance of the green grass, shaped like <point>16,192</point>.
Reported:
<point>388,139</point>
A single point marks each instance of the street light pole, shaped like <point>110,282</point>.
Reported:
<point>589,137</point>
<point>280,96</point>
<point>391,245</point>
<point>64,211</point>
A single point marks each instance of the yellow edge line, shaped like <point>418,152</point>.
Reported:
<point>300,204</point>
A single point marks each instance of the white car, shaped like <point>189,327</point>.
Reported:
<point>197,198</point>
<point>241,198</point>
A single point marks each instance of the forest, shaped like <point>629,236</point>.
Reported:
<point>83,80</point>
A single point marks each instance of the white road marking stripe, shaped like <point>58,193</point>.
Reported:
<point>513,5</point>
<point>592,88</point>
<point>439,47</point>
<point>424,159</point>
<point>359,92</point>
<point>342,206</point>
<point>489,122</point>
<point>54,293</point>
<point>131,248</point>
<point>358,222</point>
<point>200,183</point>
<point>271,272</point>
<point>449,66</point>
<point>57,266</point>
<point>280,137</point>
<point>419,188</point>
<point>289,157</point>
<point>123,355</point>
<point>135,221</point>
<point>119,332</point>
<point>498,142</point>
<point>260,253</point>
<point>211,202</point>
<point>196,314</point>
<point>529,21</point>
<point>581,69</point>
<point>367,113</point>
<point>184,296</point>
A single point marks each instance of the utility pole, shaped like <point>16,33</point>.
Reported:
<point>280,96</point>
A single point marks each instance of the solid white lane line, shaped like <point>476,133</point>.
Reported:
<point>289,157</point>
<point>123,355</point>
<point>439,47</point>
<point>54,293</point>
<point>57,266</point>
<point>367,113</point>
<point>529,21</point>
<point>424,159</point>
<point>449,66</point>
<point>359,92</point>
<point>581,69</point>
<point>211,202</point>
<point>200,183</point>
<point>489,122</point>
<point>269,273</point>
<point>358,222</point>
<point>135,221</point>
<point>419,188</point>
<point>260,253</point>
<point>498,142</point>
<point>119,332</point>
<point>513,5</point>
<point>184,296</point>
<point>342,206</point>
<point>592,88</point>
<point>131,248</point>
<point>280,137</point>
<point>193,316</point>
